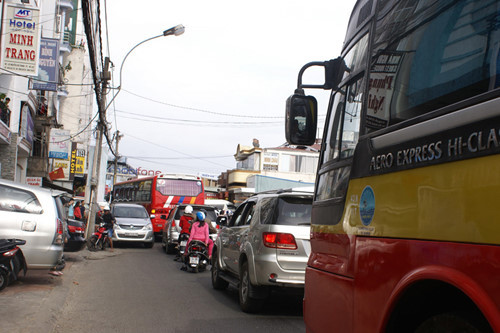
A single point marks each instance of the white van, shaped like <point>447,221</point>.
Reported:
<point>35,215</point>
<point>220,204</point>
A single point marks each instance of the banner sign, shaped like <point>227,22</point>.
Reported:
<point>77,161</point>
<point>48,67</point>
<point>34,181</point>
<point>59,143</point>
<point>20,40</point>
<point>56,174</point>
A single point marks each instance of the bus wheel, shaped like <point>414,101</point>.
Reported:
<point>449,322</point>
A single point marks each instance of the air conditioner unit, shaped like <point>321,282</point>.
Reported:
<point>58,23</point>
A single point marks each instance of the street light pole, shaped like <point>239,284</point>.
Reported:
<point>96,166</point>
<point>118,137</point>
<point>174,31</point>
<point>105,76</point>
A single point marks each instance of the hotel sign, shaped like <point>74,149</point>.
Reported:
<point>20,40</point>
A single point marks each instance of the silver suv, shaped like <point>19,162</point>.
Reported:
<point>265,246</point>
<point>37,216</point>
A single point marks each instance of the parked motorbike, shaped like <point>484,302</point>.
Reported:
<point>99,239</point>
<point>197,256</point>
<point>11,261</point>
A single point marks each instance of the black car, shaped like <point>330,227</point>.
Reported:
<point>75,236</point>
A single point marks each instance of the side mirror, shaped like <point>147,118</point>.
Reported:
<point>221,221</point>
<point>301,120</point>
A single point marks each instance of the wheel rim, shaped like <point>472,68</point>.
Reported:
<point>244,287</point>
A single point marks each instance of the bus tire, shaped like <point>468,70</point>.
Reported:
<point>450,322</point>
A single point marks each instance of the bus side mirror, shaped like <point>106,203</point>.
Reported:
<point>301,120</point>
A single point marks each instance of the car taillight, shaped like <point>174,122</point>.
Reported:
<point>279,240</point>
<point>59,227</point>
<point>58,239</point>
<point>74,229</point>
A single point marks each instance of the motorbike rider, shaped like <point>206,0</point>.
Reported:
<point>200,231</point>
<point>185,220</point>
<point>211,228</point>
<point>185,225</point>
<point>109,220</point>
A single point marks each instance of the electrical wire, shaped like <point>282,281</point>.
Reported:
<point>179,152</point>
<point>198,121</point>
<point>200,110</point>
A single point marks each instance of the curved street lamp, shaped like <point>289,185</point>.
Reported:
<point>175,31</point>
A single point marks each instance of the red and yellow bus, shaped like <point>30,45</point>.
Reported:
<point>160,193</point>
<point>405,234</point>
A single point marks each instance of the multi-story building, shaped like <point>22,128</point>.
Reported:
<point>261,169</point>
<point>44,126</point>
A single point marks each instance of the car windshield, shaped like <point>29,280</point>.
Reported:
<point>287,211</point>
<point>132,212</point>
<point>210,212</point>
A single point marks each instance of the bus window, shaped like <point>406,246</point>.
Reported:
<point>440,61</point>
<point>343,139</point>
<point>179,187</point>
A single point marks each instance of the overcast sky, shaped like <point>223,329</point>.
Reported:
<point>187,101</point>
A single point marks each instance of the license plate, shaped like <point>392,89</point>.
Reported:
<point>183,243</point>
<point>194,260</point>
<point>132,234</point>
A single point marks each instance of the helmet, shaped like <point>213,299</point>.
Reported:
<point>200,216</point>
<point>106,207</point>
<point>188,209</point>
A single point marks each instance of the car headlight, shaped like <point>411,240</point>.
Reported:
<point>117,226</point>
<point>148,227</point>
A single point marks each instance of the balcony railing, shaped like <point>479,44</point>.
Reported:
<point>5,116</point>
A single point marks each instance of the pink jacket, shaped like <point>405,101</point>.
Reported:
<point>199,233</point>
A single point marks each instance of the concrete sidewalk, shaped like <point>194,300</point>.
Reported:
<point>32,303</point>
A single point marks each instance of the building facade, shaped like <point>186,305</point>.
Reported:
<point>262,169</point>
<point>45,123</point>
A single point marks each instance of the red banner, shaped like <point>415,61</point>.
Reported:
<point>56,174</point>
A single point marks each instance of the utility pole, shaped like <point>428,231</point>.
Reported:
<point>101,125</point>
<point>118,137</point>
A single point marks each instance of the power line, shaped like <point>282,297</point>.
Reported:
<point>179,158</point>
<point>200,110</point>
<point>198,121</point>
<point>179,152</point>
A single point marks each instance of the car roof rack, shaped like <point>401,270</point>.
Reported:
<point>287,190</point>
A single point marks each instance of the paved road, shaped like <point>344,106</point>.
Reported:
<point>134,290</point>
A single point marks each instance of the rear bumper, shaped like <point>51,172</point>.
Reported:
<point>267,266</point>
<point>75,244</point>
<point>43,258</point>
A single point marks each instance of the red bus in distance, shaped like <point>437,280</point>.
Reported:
<point>160,193</point>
